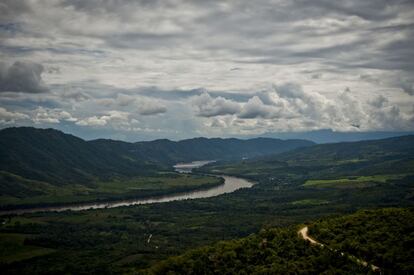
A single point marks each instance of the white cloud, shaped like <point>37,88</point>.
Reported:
<point>148,107</point>
<point>92,121</point>
<point>7,117</point>
<point>290,108</point>
<point>47,115</point>
<point>206,106</point>
<point>255,108</point>
<point>112,117</point>
<point>146,58</point>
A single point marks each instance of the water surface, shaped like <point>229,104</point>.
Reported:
<point>230,185</point>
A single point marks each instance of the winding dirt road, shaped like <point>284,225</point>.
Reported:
<point>303,232</point>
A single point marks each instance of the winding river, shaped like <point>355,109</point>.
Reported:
<point>230,185</point>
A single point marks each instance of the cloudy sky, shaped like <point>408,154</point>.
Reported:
<point>138,70</point>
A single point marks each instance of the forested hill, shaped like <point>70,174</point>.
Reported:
<point>382,237</point>
<point>368,149</point>
<point>216,148</point>
<point>391,156</point>
<point>53,156</point>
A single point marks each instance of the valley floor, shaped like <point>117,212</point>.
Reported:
<point>44,194</point>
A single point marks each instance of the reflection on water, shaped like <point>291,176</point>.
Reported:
<point>188,167</point>
<point>231,184</point>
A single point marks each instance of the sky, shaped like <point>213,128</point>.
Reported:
<point>141,70</point>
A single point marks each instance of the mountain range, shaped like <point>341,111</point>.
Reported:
<point>330,136</point>
<point>55,157</point>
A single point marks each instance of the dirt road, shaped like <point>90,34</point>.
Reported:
<point>303,232</point>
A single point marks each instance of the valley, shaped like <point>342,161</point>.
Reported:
<point>324,187</point>
<point>41,167</point>
<point>183,137</point>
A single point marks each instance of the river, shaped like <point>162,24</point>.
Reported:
<point>230,185</point>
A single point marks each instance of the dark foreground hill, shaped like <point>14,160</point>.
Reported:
<point>381,237</point>
<point>55,157</point>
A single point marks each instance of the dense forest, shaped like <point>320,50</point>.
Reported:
<point>392,156</point>
<point>384,237</point>
<point>118,240</point>
<point>272,251</point>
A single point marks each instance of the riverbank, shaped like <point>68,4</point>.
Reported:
<point>229,185</point>
<point>113,191</point>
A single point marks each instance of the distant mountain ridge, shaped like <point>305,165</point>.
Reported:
<point>391,156</point>
<point>55,157</point>
<point>329,136</point>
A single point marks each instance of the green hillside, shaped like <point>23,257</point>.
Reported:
<point>46,166</point>
<point>214,148</point>
<point>392,156</point>
<point>52,156</point>
<point>272,251</point>
<point>57,158</point>
<point>383,237</point>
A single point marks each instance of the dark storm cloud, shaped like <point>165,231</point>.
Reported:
<point>9,9</point>
<point>253,23</point>
<point>25,77</point>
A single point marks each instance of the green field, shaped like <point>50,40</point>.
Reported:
<point>309,202</point>
<point>13,249</point>
<point>352,182</point>
<point>165,183</point>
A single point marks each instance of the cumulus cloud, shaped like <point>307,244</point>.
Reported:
<point>116,117</point>
<point>145,106</point>
<point>7,117</point>
<point>47,115</point>
<point>290,107</point>
<point>25,77</point>
<point>144,58</point>
<point>92,121</point>
<point>149,108</point>
<point>207,106</point>
<point>254,108</point>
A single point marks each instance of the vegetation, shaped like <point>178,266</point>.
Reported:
<point>46,166</point>
<point>387,159</point>
<point>54,157</point>
<point>17,192</point>
<point>13,249</point>
<point>354,181</point>
<point>273,251</point>
<point>116,240</point>
<point>384,237</point>
<point>140,238</point>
